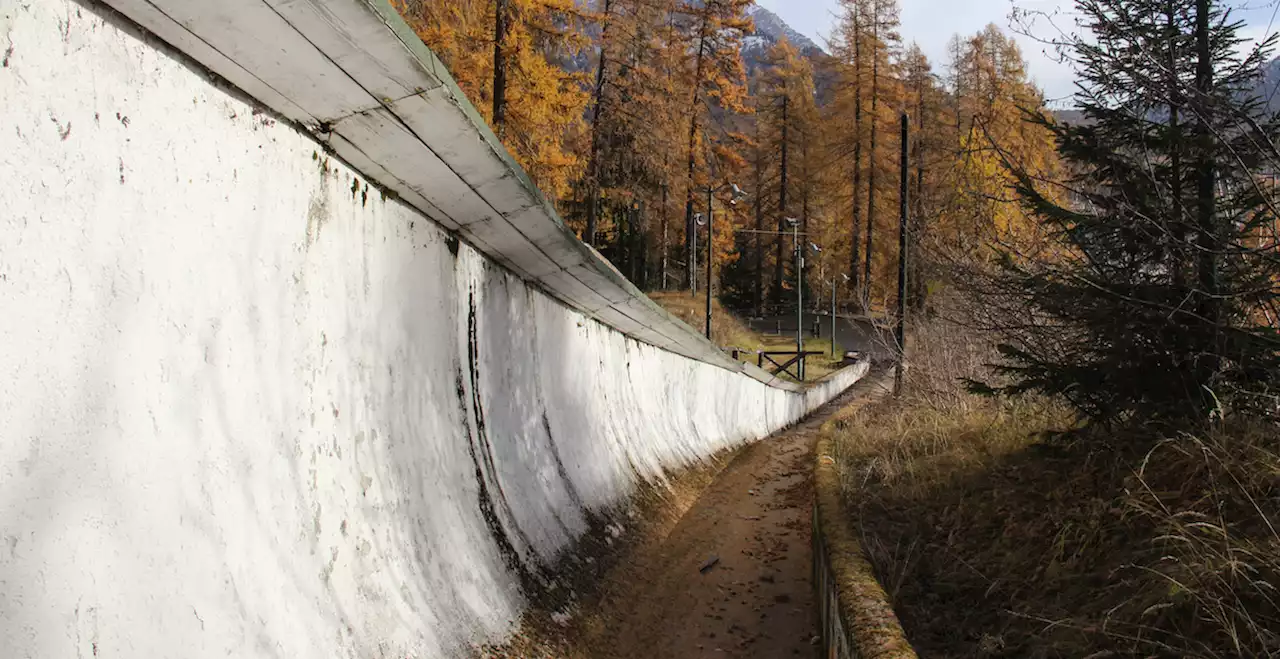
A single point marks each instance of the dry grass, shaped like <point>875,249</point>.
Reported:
<point>998,534</point>
<point>728,331</point>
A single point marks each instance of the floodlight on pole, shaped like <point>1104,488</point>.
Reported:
<point>693,256</point>
<point>735,195</point>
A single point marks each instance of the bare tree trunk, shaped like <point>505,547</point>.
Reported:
<point>693,139</point>
<point>871,167</point>
<point>757,240</point>
<point>499,67</point>
<point>593,167</point>
<point>665,247</point>
<point>917,285</point>
<point>636,245</point>
<point>778,260</point>
<point>1178,252</point>
<point>1206,203</point>
<point>804,181</point>
<point>855,243</point>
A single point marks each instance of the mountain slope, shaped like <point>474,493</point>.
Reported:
<point>770,27</point>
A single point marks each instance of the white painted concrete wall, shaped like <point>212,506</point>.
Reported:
<point>249,407</point>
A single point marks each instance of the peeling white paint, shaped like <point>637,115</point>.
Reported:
<point>244,399</point>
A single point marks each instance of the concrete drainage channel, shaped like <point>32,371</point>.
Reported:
<point>855,615</point>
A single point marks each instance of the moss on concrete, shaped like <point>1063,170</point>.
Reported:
<point>864,607</point>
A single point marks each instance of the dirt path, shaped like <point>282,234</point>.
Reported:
<point>756,600</point>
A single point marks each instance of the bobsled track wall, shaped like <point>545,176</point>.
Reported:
<point>253,405</point>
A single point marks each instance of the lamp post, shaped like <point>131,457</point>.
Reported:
<point>832,283</point>
<point>737,194</point>
<point>799,293</point>
<point>698,221</point>
<point>795,236</point>
<point>822,275</point>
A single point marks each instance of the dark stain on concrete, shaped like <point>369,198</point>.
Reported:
<point>493,501</point>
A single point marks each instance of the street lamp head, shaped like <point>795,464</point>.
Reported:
<point>699,219</point>
<point>846,277</point>
<point>791,221</point>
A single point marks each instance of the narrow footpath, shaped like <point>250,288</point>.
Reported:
<point>732,578</point>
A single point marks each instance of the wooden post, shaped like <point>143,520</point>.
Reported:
<point>901,332</point>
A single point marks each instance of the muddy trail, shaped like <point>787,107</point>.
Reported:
<point>727,574</point>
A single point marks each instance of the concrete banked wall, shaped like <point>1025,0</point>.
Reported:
<point>252,404</point>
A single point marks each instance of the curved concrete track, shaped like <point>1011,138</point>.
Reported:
<point>730,578</point>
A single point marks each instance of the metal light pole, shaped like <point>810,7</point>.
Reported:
<point>795,236</point>
<point>733,201</point>
<point>693,255</point>
<point>711,232</point>
<point>833,319</point>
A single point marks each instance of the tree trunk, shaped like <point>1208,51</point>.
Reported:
<point>593,167</point>
<point>693,139</point>
<point>665,247</point>
<point>871,159</point>
<point>804,197</point>
<point>637,246</point>
<point>917,285</point>
<point>757,239</point>
<point>499,67</point>
<point>1177,252</point>
<point>1206,203</point>
<point>778,259</point>
<point>855,243</point>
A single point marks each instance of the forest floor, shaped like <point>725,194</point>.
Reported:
<point>727,574</point>
<point>1002,528</point>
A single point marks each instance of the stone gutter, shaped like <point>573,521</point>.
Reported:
<point>855,615</point>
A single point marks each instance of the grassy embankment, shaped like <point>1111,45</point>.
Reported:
<point>728,331</point>
<point>1000,529</point>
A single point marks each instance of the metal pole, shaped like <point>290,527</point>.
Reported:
<point>833,318</point>
<point>795,232</point>
<point>693,260</point>
<point>711,224</point>
<point>901,334</point>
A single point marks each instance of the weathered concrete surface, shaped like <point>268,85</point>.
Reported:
<point>251,407</point>
<point>355,76</point>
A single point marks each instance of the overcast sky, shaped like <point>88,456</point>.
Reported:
<point>932,22</point>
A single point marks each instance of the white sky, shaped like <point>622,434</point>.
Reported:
<point>931,23</point>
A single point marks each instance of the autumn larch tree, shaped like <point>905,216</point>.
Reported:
<point>508,56</point>
<point>716,82</point>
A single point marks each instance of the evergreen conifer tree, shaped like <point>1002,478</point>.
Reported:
<point>1154,295</point>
